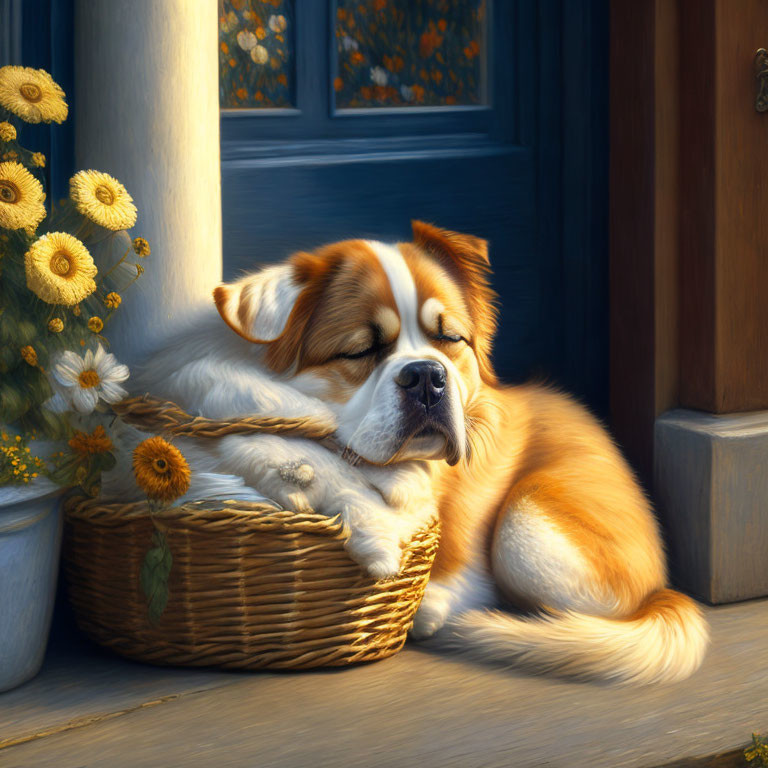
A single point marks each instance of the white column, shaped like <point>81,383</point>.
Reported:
<point>147,112</point>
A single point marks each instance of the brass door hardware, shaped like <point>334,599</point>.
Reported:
<point>761,75</point>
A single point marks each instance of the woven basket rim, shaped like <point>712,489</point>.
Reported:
<point>248,515</point>
<point>257,516</point>
<point>151,413</point>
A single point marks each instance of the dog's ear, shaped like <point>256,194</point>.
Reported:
<point>466,257</point>
<point>274,306</point>
<point>257,307</point>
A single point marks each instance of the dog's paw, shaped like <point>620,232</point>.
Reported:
<point>297,502</point>
<point>386,567</point>
<point>379,558</point>
<point>432,614</point>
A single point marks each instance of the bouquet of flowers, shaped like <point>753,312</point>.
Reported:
<point>63,273</point>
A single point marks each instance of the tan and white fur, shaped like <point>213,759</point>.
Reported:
<point>536,504</point>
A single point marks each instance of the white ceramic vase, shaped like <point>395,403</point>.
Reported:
<point>30,540</point>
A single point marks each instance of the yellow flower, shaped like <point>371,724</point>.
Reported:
<point>97,442</point>
<point>112,300</point>
<point>102,199</point>
<point>10,155</point>
<point>59,269</point>
<point>21,197</point>
<point>32,95</point>
<point>56,325</point>
<point>95,324</point>
<point>7,132</point>
<point>160,469</point>
<point>141,246</point>
<point>139,270</point>
<point>76,310</point>
<point>29,355</point>
<point>38,159</point>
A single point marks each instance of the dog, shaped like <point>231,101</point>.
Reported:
<point>392,345</point>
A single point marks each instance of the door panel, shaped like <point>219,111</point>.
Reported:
<point>377,197</point>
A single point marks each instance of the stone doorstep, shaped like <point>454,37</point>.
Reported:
<point>711,487</point>
<point>416,709</point>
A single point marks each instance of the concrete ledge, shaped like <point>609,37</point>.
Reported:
<point>711,484</point>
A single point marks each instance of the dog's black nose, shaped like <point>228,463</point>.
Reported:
<point>423,380</point>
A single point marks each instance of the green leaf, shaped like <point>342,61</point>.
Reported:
<point>155,571</point>
<point>104,462</point>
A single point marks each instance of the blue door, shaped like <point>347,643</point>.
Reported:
<point>349,118</point>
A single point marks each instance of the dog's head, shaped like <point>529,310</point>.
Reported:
<point>395,337</point>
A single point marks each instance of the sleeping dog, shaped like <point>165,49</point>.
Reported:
<point>392,344</point>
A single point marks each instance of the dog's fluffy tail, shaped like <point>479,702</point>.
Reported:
<point>664,641</point>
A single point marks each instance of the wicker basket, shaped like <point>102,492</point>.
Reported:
<point>251,586</point>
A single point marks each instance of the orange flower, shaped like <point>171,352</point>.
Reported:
<point>338,84</point>
<point>379,5</point>
<point>29,355</point>
<point>259,96</point>
<point>367,92</point>
<point>232,63</point>
<point>224,48</point>
<point>282,79</point>
<point>341,14</point>
<point>97,442</point>
<point>437,75</point>
<point>274,63</point>
<point>261,33</point>
<point>357,57</point>
<point>161,470</point>
<point>241,94</point>
<point>442,25</point>
<point>428,42</point>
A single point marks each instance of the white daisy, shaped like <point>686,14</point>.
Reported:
<point>246,39</point>
<point>379,75</point>
<point>277,23</point>
<point>406,92</point>
<point>349,43</point>
<point>80,382</point>
<point>259,54</point>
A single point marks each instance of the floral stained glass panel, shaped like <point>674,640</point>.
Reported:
<point>405,53</point>
<point>256,53</point>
